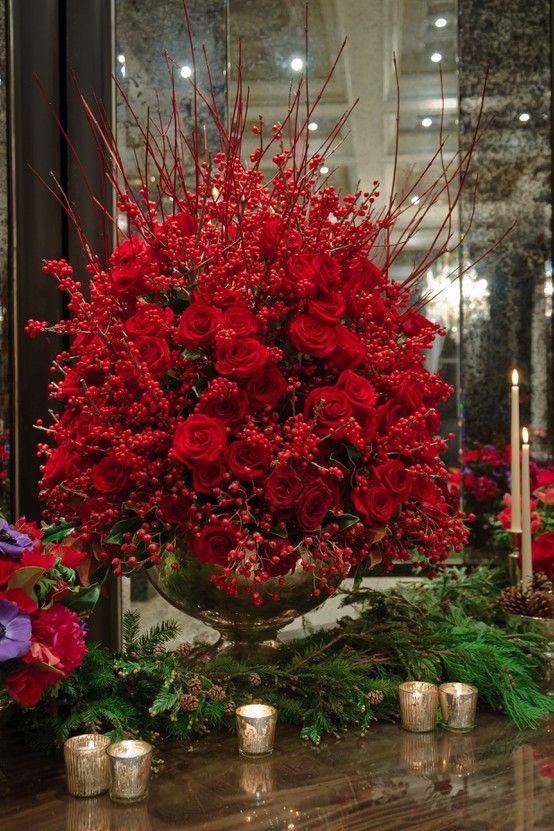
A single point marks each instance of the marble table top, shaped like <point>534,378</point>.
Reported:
<point>493,778</point>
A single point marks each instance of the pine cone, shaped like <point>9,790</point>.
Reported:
<point>189,702</point>
<point>216,693</point>
<point>160,649</point>
<point>194,684</point>
<point>230,708</point>
<point>514,601</point>
<point>254,679</point>
<point>184,649</point>
<point>541,582</point>
<point>541,604</point>
<point>375,697</point>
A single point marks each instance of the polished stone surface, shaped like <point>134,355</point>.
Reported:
<point>493,778</point>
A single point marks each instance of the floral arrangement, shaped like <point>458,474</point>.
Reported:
<point>244,376</point>
<point>542,522</point>
<point>42,638</point>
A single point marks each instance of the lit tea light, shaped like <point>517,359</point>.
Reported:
<point>256,729</point>
<point>418,706</point>
<point>458,704</point>
<point>87,766</point>
<point>130,770</point>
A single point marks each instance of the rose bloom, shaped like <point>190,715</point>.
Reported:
<point>240,320</point>
<point>349,350</point>
<point>241,357</point>
<point>358,390</point>
<point>393,475</point>
<point>230,406</point>
<point>154,352</point>
<point>200,438</point>
<point>543,553</point>
<point>282,488</point>
<point>312,336</point>
<point>276,235</point>
<point>327,273</point>
<point>545,478</point>
<point>197,325</point>
<point>329,408</point>
<point>207,476</point>
<point>27,685</point>
<point>63,463</point>
<point>546,496</point>
<point>266,388</point>
<point>376,504</point>
<point>328,308</point>
<point>247,459</point>
<point>213,544</point>
<point>174,510</point>
<point>362,275</point>
<point>148,319</point>
<point>131,262</point>
<point>302,272</point>
<point>315,501</point>
<point>110,476</point>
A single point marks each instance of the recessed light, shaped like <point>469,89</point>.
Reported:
<point>415,200</point>
<point>121,58</point>
<point>123,70</point>
<point>297,64</point>
<point>312,126</point>
<point>426,122</point>
<point>436,57</point>
<point>440,22</point>
<point>524,117</point>
<point>323,170</point>
<point>186,71</point>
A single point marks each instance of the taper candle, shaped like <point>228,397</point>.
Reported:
<point>526,562</point>
<point>515,464</point>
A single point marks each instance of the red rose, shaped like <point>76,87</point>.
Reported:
<point>59,631</point>
<point>543,554</point>
<point>240,320</point>
<point>213,544</point>
<point>230,406</point>
<point>148,319</point>
<point>241,357</point>
<point>329,408</point>
<point>207,476</point>
<point>313,504</point>
<point>327,276</point>
<point>312,336</point>
<point>393,475</point>
<point>154,352</point>
<point>413,323</point>
<point>79,427</point>
<point>110,476</point>
<point>200,438</point>
<point>328,308</point>
<point>357,389</point>
<point>197,325</point>
<point>62,464</point>
<point>349,350</point>
<point>174,510</point>
<point>182,222</point>
<point>302,273</point>
<point>545,478</point>
<point>362,275</point>
<point>131,263</point>
<point>376,504</point>
<point>275,235</point>
<point>282,488</point>
<point>266,387</point>
<point>27,685</point>
<point>7,568</point>
<point>247,459</point>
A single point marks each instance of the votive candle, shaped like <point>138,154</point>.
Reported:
<point>256,729</point>
<point>458,704</point>
<point>526,561</point>
<point>87,766</point>
<point>130,768</point>
<point>418,705</point>
<point>515,463</point>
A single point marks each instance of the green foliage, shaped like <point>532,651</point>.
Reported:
<point>445,629</point>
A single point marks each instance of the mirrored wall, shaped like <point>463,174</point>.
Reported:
<point>6,387</point>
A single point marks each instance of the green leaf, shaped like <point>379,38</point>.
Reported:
<point>25,578</point>
<point>56,533</point>
<point>352,453</point>
<point>279,532</point>
<point>345,521</point>
<point>115,537</point>
<point>191,354</point>
<point>82,599</point>
<point>165,700</point>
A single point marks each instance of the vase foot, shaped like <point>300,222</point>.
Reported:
<point>251,651</point>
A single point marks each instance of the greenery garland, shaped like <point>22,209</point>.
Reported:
<point>446,629</point>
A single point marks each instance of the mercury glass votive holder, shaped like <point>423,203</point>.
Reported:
<point>420,752</point>
<point>418,706</point>
<point>87,766</point>
<point>256,729</point>
<point>458,705</point>
<point>130,770</point>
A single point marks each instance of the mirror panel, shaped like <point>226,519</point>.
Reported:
<point>5,287</point>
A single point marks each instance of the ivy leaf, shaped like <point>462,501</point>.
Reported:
<point>25,578</point>
<point>82,600</point>
<point>115,537</point>
<point>55,533</point>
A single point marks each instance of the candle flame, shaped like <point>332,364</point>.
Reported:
<point>515,377</point>
<point>525,435</point>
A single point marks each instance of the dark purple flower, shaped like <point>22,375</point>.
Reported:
<point>15,631</point>
<point>12,542</point>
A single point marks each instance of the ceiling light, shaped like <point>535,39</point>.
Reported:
<point>415,200</point>
<point>436,57</point>
<point>186,71</point>
<point>426,122</point>
<point>323,170</point>
<point>121,58</point>
<point>524,117</point>
<point>312,126</point>
<point>297,64</point>
<point>123,71</point>
<point>440,22</point>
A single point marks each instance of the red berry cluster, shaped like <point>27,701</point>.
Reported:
<point>243,379</point>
